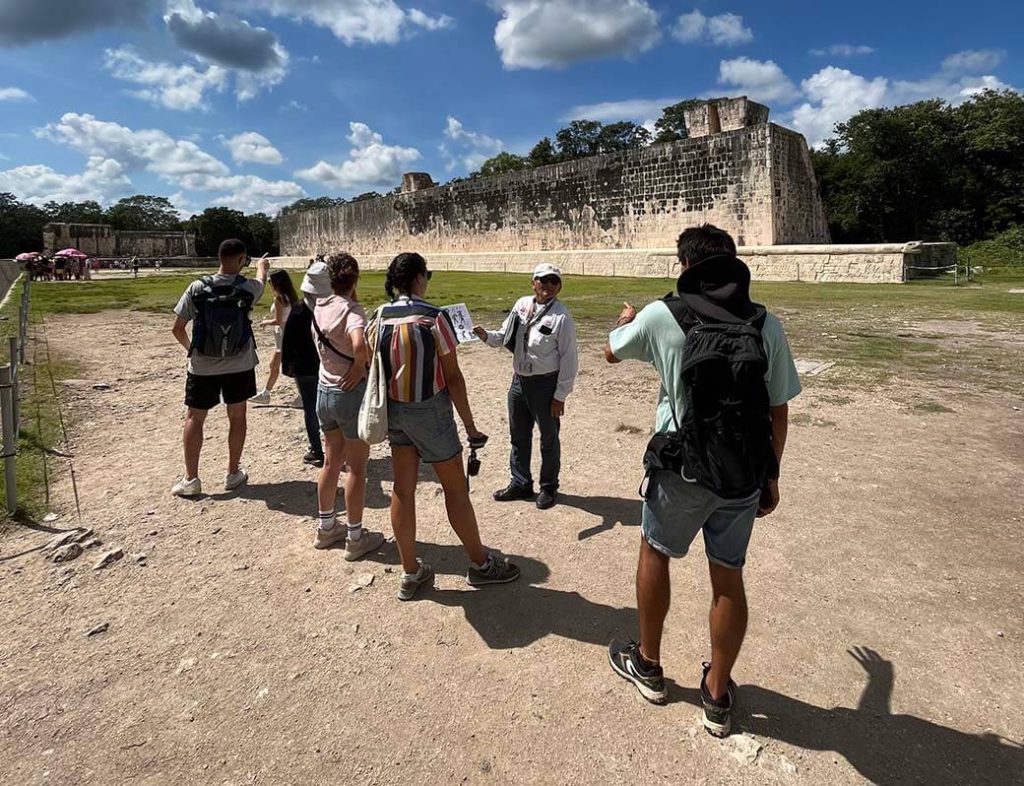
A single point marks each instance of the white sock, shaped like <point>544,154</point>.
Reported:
<point>355,531</point>
<point>419,570</point>
<point>485,563</point>
<point>327,519</point>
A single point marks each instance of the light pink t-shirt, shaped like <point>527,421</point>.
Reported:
<point>336,317</point>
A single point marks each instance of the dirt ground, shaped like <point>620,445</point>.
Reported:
<point>236,654</point>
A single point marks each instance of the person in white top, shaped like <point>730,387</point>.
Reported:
<point>541,334</point>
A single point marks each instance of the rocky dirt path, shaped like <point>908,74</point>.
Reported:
<point>235,653</point>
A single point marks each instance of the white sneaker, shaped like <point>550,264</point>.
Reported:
<point>370,541</point>
<point>261,399</point>
<point>235,480</point>
<point>187,488</point>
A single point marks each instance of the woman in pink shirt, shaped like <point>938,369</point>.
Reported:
<point>339,329</point>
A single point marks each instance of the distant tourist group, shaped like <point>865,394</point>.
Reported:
<point>712,466</point>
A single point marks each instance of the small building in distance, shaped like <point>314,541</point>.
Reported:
<point>102,240</point>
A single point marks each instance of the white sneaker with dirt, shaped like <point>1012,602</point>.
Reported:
<point>235,480</point>
<point>187,488</point>
<point>261,399</point>
<point>356,549</point>
<point>326,538</point>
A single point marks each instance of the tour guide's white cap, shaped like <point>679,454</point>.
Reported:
<point>547,269</point>
<point>316,282</point>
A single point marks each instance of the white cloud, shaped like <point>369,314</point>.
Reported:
<point>720,30</point>
<point>640,110</point>
<point>833,95</point>
<point>14,94</point>
<point>843,50</point>
<point>102,180</point>
<point>253,148</point>
<point>181,87</point>
<point>247,193</point>
<point>224,39</point>
<point>761,81</point>
<point>555,33</point>
<point>370,164</point>
<point>420,19</point>
<point>468,148</point>
<point>149,149</point>
<point>973,61</point>
<point>355,21</point>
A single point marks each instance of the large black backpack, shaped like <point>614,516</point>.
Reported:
<point>222,327</point>
<point>299,357</point>
<point>724,439</point>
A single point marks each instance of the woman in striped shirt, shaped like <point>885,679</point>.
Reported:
<point>418,349</point>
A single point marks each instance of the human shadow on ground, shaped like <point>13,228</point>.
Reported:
<point>612,510</point>
<point>884,748</point>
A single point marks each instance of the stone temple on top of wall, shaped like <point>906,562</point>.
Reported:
<point>619,213</point>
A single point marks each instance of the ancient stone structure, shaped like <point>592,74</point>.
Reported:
<point>104,241</point>
<point>740,172</point>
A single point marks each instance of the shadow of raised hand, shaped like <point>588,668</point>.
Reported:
<point>878,692</point>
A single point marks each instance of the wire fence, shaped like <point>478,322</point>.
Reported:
<point>10,398</point>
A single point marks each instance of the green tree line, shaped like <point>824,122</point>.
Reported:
<point>21,223</point>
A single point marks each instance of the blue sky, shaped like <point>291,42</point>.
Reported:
<point>254,103</point>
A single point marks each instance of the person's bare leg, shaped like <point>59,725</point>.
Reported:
<point>728,625</point>
<point>236,435</point>
<point>275,371</point>
<point>461,515</point>
<point>653,597</point>
<point>357,456</point>
<point>406,463</point>
<point>193,440</point>
<point>334,457</point>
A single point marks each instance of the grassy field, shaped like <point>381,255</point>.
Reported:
<point>872,331</point>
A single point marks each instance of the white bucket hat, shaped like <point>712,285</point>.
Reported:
<point>316,282</point>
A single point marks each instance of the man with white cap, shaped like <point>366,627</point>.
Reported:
<point>541,334</point>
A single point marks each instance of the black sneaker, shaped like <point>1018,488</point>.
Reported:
<point>717,713</point>
<point>547,499</point>
<point>627,663</point>
<point>514,491</point>
<point>313,459</point>
<point>497,570</point>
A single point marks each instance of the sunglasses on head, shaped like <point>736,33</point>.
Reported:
<point>550,280</point>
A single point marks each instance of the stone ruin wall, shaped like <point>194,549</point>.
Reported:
<point>755,181</point>
<point>102,240</point>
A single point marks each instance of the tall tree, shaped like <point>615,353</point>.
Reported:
<point>578,139</point>
<point>311,203</point>
<point>619,137</point>
<point>216,224</point>
<point>21,226</point>
<point>542,154</point>
<point>144,212</point>
<point>261,230</point>
<point>501,164</point>
<point>88,212</point>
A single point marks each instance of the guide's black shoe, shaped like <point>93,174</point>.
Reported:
<point>313,459</point>
<point>649,680</point>
<point>546,499</point>
<point>717,713</point>
<point>514,491</point>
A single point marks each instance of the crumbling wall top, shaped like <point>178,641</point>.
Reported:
<point>724,114</point>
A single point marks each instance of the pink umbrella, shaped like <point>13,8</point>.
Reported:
<point>28,256</point>
<point>71,253</point>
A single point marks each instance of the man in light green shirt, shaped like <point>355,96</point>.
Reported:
<point>677,508</point>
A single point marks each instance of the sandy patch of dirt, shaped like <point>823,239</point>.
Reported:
<point>237,654</point>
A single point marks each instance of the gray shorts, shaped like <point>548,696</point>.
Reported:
<point>337,408</point>
<point>428,426</point>
<point>675,511</point>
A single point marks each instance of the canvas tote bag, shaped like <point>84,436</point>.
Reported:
<point>373,413</point>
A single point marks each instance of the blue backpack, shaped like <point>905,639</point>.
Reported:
<point>222,327</point>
